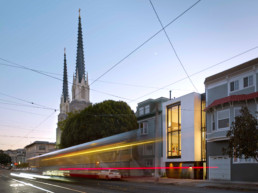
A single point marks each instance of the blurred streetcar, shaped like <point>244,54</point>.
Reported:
<point>88,159</point>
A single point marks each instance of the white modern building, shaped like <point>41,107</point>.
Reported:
<point>184,136</point>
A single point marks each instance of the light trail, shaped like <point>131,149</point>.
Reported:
<point>28,184</point>
<point>141,168</point>
<point>59,186</point>
<point>104,149</point>
<point>29,176</point>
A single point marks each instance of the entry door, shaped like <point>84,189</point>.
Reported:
<point>223,170</point>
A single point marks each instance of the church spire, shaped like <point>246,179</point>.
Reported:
<point>65,80</point>
<point>80,66</point>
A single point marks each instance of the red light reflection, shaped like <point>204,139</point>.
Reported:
<point>140,168</point>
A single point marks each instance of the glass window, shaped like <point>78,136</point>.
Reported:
<point>234,85</point>
<point>174,131</point>
<point>42,147</point>
<point>147,109</point>
<point>223,119</point>
<point>141,111</point>
<point>248,81</point>
<point>213,122</point>
<point>144,128</point>
<point>203,130</point>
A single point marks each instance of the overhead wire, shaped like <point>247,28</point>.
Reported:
<point>146,41</point>
<point>30,102</point>
<point>22,111</point>
<point>209,67</point>
<point>172,46</point>
<point>137,48</point>
<point>104,81</point>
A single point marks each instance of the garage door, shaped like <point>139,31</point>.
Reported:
<point>223,170</point>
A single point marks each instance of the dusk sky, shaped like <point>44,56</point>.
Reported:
<point>34,34</point>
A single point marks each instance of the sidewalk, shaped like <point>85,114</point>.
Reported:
<point>229,185</point>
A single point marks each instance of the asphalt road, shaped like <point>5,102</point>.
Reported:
<point>17,184</point>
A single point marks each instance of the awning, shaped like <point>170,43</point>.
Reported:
<point>232,98</point>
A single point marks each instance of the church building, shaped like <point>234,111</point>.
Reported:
<point>80,87</point>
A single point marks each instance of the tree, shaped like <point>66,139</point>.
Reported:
<point>5,159</point>
<point>95,122</point>
<point>243,136</point>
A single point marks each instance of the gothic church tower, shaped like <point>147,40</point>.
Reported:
<point>64,105</point>
<point>80,88</point>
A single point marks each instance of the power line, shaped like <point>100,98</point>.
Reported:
<point>104,81</point>
<point>173,48</point>
<point>146,41</point>
<point>212,66</point>
<point>13,136</point>
<point>19,104</point>
<point>44,120</point>
<point>15,127</point>
<point>30,102</point>
<point>22,111</point>
<point>26,136</point>
<point>24,67</point>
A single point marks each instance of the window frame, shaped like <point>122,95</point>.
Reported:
<point>234,85</point>
<point>213,122</point>
<point>42,149</point>
<point>144,130</point>
<point>170,133</point>
<point>147,109</point>
<point>248,81</point>
<point>141,111</point>
<point>223,128</point>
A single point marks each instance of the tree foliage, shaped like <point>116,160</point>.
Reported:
<point>100,120</point>
<point>5,159</point>
<point>243,136</point>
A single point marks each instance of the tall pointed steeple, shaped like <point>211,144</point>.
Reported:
<point>80,65</point>
<point>65,81</point>
<point>80,88</point>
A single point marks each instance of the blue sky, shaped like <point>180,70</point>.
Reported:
<point>34,34</point>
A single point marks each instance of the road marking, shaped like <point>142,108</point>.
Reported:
<point>28,184</point>
<point>58,186</point>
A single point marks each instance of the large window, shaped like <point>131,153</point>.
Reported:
<point>174,131</point>
<point>223,119</point>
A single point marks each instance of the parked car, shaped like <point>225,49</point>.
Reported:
<point>109,174</point>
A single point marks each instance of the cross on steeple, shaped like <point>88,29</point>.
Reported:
<point>79,12</point>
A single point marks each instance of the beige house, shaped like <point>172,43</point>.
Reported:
<point>38,148</point>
